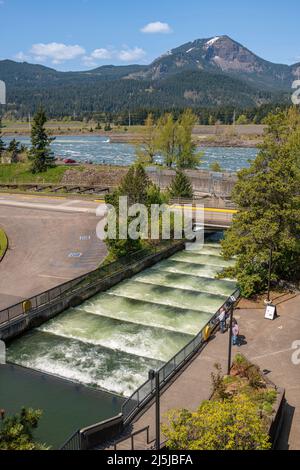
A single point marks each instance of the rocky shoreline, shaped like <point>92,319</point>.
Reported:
<point>137,139</point>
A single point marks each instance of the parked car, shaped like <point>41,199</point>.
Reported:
<point>69,161</point>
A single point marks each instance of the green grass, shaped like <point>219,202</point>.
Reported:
<point>3,243</point>
<point>20,173</point>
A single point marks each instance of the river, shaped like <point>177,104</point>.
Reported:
<point>97,149</point>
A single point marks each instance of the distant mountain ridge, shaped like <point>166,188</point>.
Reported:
<point>221,53</point>
<point>206,72</point>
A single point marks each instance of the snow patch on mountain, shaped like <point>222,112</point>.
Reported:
<point>212,41</point>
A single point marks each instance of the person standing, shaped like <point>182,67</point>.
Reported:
<point>222,319</point>
<point>235,333</point>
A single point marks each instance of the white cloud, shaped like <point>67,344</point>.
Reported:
<point>102,54</point>
<point>56,52</point>
<point>156,27</point>
<point>129,55</point>
<point>22,57</point>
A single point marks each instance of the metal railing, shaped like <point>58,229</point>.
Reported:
<point>147,391</point>
<point>132,436</point>
<point>73,442</point>
<point>76,286</point>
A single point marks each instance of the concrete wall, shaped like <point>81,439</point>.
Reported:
<point>202,181</point>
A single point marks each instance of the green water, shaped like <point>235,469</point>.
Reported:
<point>112,340</point>
<point>66,406</point>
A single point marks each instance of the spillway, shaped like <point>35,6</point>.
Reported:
<point>112,340</point>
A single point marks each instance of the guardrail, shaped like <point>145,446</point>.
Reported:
<point>55,188</point>
<point>146,391</point>
<point>71,288</point>
<point>146,430</point>
<point>73,442</point>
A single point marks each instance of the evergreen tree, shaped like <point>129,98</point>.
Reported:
<point>135,185</point>
<point>40,153</point>
<point>16,432</point>
<point>14,148</point>
<point>181,186</point>
<point>265,231</point>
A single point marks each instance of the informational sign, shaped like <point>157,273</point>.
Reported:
<point>270,312</point>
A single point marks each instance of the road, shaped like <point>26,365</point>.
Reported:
<point>51,240</point>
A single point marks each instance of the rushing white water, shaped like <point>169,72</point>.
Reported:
<point>112,340</point>
<point>99,149</point>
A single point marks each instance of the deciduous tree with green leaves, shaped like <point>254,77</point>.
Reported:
<point>229,424</point>
<point>40,153</point>
<point>187,155</point>
<point>147,150</point>
<point>265,234</point>
<point>167,139</point>
<point>175,142</point>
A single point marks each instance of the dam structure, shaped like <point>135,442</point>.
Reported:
<point>112,340</point>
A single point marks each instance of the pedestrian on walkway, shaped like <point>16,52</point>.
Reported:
<point>222,319</point>
<point>235,333</point>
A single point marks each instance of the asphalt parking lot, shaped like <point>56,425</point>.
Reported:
<point>51,241</point>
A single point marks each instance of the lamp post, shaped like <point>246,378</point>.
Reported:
<point>230,340</point>
<point>154,374</point>
<point>232,303</point>
<point>269,273</point>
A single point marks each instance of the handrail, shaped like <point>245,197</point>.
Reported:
<point>132,436</point>
<point>73,442</point>
<point>196,343</point>
<point>73,287</point>
<point>139,398</point>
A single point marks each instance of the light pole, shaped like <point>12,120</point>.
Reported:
<point>270,273</point>
<point>230,340</point>
<point>154,374</point>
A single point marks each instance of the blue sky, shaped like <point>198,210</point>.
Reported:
<point>82,34</point>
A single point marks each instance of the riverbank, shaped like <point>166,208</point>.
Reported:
<point>247,136</point>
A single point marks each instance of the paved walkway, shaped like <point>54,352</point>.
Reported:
<point>267,343</point>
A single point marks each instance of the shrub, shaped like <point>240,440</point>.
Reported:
<point>217,425</point>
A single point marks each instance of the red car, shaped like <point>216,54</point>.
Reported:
<point>69,161</point>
